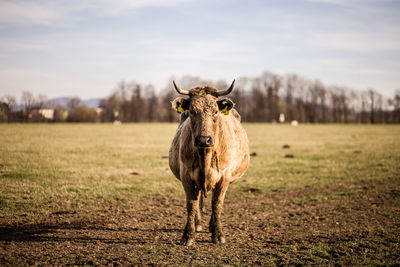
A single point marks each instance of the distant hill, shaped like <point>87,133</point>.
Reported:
<point>92,102</point>
<point>63,102</point>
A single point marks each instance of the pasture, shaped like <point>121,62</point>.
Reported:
<point>102,194</point>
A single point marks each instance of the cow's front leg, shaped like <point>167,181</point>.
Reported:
<point>218,196</point>
<point>192,205</point>
<point>198,213</point>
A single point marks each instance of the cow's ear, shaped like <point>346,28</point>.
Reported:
<point>180,104</point>
<point>224,105</point>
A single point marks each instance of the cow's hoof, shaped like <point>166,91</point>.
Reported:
<point>199,228</point>
<point>187,241</point>
<point>218,240</point>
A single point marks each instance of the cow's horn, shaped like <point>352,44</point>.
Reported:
<point>227,91</point>
<point>179,90</point>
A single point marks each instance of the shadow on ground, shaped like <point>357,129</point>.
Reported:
<point>344,225</point>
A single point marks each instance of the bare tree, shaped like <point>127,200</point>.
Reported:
<point>372,99</point>
<point>396,106</point>
<point>322,102</point>
<point>272,84</point>
<point>290,85</point>
<point>28,100</point>
<point>335,105</point>
<point>137,104</point>
<point>152,104</point>
<point>41,101</point>
<point>111,108</point>
<point>240,99</point>
<point>122,96</point>
<point>169,113</point>
<point>260,99</point>
<point>11,101</point>
<point>259,104</point>
<point>4,111</point>
<point>73,103</point>
<point>343,99</point>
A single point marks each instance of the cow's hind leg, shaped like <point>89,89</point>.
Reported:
<point>192,205</point>
<point>218,196</point>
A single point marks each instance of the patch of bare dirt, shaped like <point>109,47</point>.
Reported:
<point>345,225</point>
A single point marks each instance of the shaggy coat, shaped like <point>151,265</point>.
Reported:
<point>213,167</point>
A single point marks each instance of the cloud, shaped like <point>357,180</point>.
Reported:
<point>50,13</point>
<point>354,42</point>
<point>10,46</point>
<point>26,12</point>
<point>349,2</point>
<point>137,39</point>
<point>336,2</point>
<point>114,8</point>
<point>55,83</point>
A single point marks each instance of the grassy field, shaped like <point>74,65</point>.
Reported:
<point>103,194</point>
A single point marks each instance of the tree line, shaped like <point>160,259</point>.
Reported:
<point>267,98</point>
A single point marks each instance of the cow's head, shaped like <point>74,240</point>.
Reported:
<point>204,109</point>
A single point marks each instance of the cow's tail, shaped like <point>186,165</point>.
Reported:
<point>205,187</point>
<point>204,193</point>
<point>201,203</point>
<point>203,184</point>
<point>205,190</point>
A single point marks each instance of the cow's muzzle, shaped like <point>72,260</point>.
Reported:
<point>203,141</point>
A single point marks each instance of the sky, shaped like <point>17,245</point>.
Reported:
<point>85,48</point>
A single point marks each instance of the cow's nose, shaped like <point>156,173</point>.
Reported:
<point>203,141</point>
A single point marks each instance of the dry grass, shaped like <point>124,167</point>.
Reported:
<point>100,178</point>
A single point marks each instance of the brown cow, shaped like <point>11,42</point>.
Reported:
<point>209,151</point>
